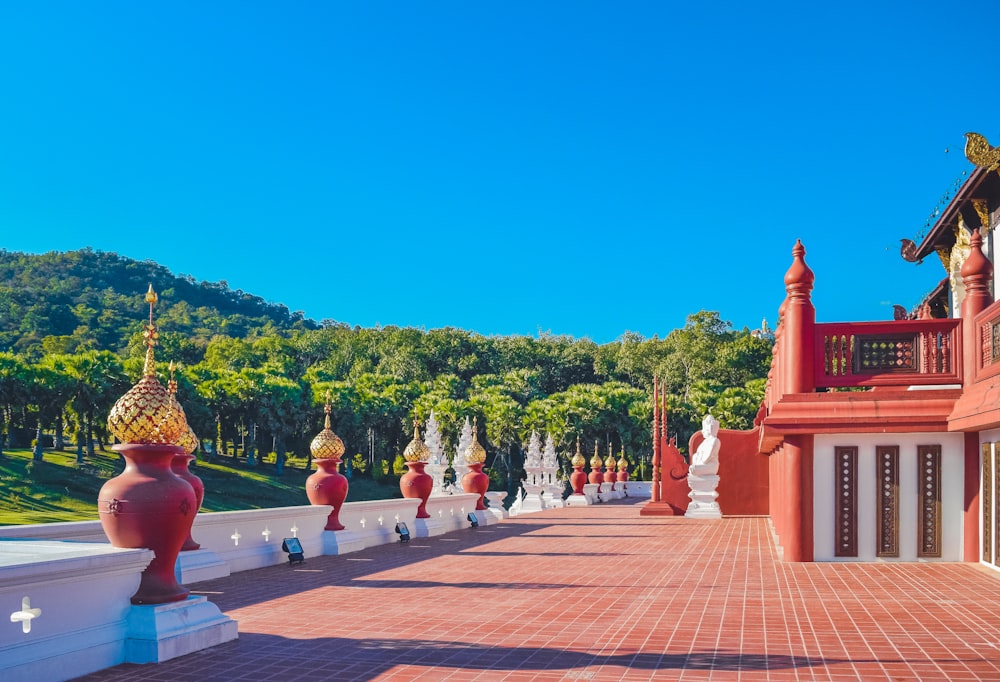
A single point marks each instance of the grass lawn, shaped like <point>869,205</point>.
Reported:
<point>57,489</point>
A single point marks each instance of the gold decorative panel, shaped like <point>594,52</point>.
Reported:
<point>846,501</point>
<point>929,496</point>
<point>887,508</point>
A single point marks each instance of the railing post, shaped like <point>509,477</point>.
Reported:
<point>977,271</point>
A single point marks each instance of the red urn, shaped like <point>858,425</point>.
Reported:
<point>179,465</point>
<point>578,479</point>
<point>475,457</point>
<point>147,505</point>
<point>622,469</point>
<point>327,485</point>
<point>609,468</point>
<point>595,467</point>
<point>416,483</point>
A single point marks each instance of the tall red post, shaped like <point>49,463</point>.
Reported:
<point>977,271</point>
<point>656,441</point>
<point>798,350</point>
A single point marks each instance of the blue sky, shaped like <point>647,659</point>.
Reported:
<point>581,168</point>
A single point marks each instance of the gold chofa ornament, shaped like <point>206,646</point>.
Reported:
<point>148,413</point>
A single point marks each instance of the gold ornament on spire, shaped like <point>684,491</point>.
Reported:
<point>596,462</point>
<point>327,444</point>
<point>980,153</point>
<point>578,459</point>
<point>148,414</point>
<point>622,462</point>
<point>610,462</point>
<point>416,451</point>
<point>475,453</point>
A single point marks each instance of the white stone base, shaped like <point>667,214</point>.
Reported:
<point>533,501</point>
<point>426,528</point>
<point>484,517</point>
<point>591,491</point>
<point>198,565</point>
<point>553,497</point>
<point>494,501</point>
<point>703,510</point>
<point>703,495</point>
<point>342,542</point>
<point>575,500</point>
<point>165,631</point>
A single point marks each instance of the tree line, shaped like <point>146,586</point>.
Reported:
<point>259,386</point>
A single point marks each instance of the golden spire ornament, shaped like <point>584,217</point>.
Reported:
<point>622,462</point>
<point>148,413</point>
<point>416,451</point>
<point>578,459</point>
<point>188,440</point>
<point>475,453</point>
<point>596,462</point>
<point>327,444</point>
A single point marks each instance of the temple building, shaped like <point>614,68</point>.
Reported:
<point>882,438</point>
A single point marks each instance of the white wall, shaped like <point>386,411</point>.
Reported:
<point>952,483</point>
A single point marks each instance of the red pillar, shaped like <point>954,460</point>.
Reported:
<point>656,442</point>
<point>977,271</point>
<point>798,341</point>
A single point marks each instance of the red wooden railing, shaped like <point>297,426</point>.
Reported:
<point>987,323</point>
<point>899,353</point>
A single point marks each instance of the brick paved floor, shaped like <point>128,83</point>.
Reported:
<point>598,593</point>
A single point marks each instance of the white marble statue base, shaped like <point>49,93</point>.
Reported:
<point>533,501</point>
<point>494,502</point>
<point>591,491</point>
<point>575,500</point>
<point>703,495</point>
<point>165,631</point>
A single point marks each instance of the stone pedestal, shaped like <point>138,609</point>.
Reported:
<point>592,492</point>
<point>157,633</point>
<point>554,495</point>
<point>496,498</point>
<point>533,501</point>
<point>576,500</point>
<point>703,495</point>
<point>337,542</point>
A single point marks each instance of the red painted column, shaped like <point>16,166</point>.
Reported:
<point>798,342</point>
<point>656,442</point>
<point>977,271</point>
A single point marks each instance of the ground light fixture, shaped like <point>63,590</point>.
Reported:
<point>473,520</point>
<point>403,531</point>
<point>293,548</point>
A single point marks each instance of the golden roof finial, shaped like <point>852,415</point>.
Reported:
<point>150,335</point>
<point>622,462</point>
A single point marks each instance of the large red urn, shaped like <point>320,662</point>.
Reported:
<point>475,457</point>
<point>623,470</point>
<point>181,466</point>
<point>595,467</point>
<point>416,483</point>
<point>578,479</point>
<point>609,468</point>
<point>327,485</point>
<point>147,505</point>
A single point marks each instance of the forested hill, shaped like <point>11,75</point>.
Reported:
<point>68,301</point>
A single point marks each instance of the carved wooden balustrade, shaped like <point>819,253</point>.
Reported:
<point>987,323</point>
<point>899,353</point>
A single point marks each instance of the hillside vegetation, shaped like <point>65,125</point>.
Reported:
<point>253,376</point>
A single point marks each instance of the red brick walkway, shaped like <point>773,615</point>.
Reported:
<point>598,593</point>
